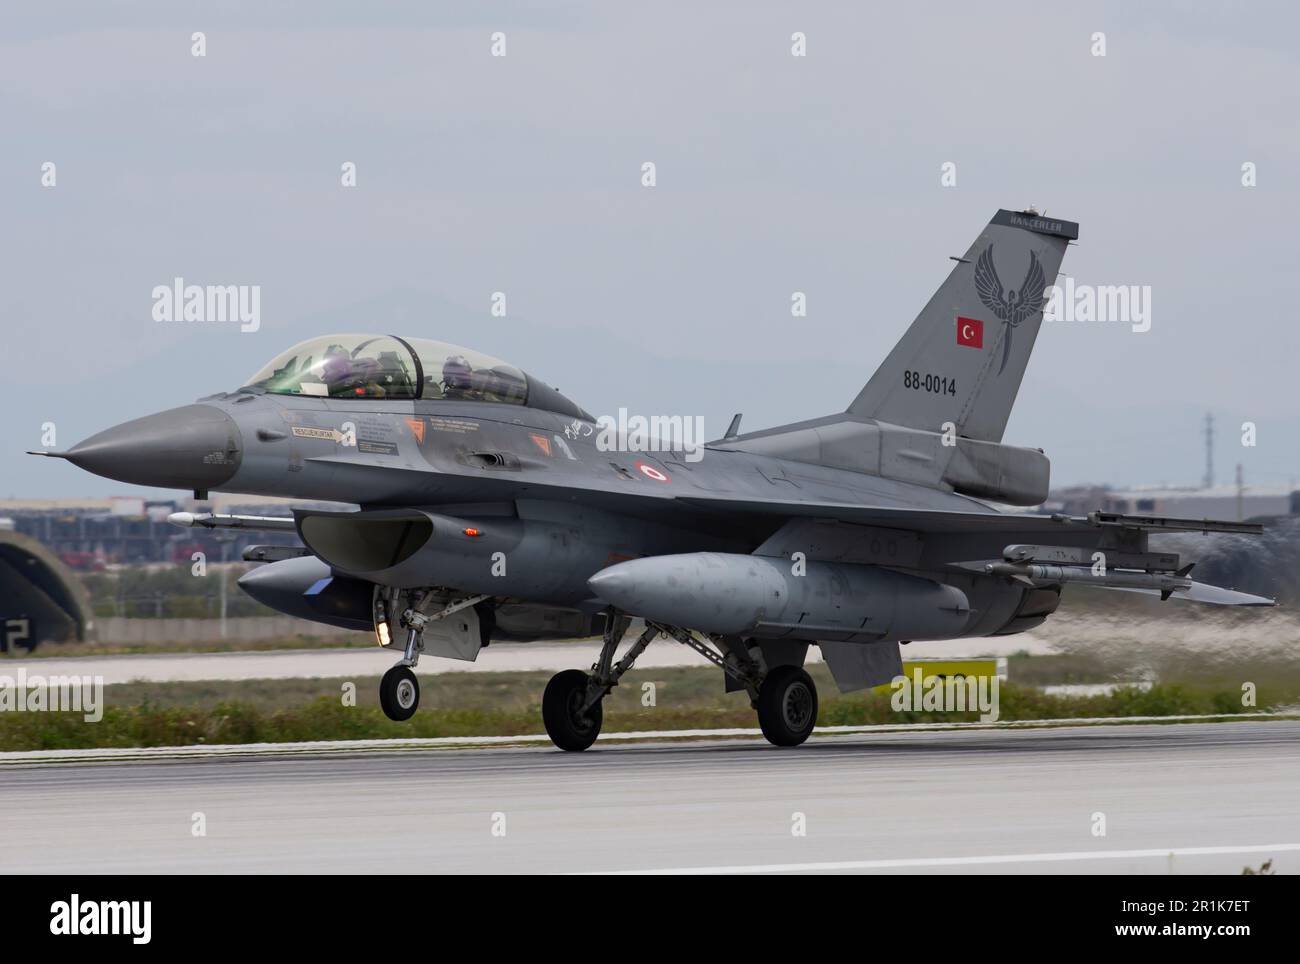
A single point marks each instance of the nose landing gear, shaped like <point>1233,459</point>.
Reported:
<point>399,693</point>
<point>399,690</point>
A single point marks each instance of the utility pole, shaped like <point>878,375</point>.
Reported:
<point>225,549</point>
<point>1208,482</point>
<point>1241,490</point>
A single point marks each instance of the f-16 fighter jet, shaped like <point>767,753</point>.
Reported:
<point>489,509</point>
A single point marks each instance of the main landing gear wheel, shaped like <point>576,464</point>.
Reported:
<point>399,693</point>
<point>787,706</point>
<point>566,724</point>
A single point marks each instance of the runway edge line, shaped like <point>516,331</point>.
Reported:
<point>320,747</point>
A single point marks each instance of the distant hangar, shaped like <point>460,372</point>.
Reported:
<point>41,600</point>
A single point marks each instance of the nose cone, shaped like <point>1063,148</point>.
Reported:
<point>192,447</point>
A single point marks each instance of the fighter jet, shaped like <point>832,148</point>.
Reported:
<point>492,507</point>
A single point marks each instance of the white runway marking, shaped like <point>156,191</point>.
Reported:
<point>913,801</point>
<point>918,862</point>
<point>139,754</point>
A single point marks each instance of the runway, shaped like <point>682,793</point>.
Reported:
<point>1192,798</point>
<point>340,663</point>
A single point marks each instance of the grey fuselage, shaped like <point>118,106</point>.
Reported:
<point>504,465</point>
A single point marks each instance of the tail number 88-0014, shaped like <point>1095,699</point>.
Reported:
<point>935,384</point>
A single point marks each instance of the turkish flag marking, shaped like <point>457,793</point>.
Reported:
<point>970,332</point>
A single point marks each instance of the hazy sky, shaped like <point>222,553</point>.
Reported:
<point>776,174</point>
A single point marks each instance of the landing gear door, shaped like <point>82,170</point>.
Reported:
<point>455,637</point>
<point>856,666</point>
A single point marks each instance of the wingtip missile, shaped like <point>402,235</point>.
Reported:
<point>212,520</point>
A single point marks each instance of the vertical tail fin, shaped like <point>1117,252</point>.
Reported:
<point>964,356</point>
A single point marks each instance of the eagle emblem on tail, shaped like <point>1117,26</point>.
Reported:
<point>1012,306</point>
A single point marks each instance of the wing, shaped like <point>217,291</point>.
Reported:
<point>1031,292</point>
<point>988,284</point>
<point>917,520</point>
<point>993,533</point>
<point>950,520</point>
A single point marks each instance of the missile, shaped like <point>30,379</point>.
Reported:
<point>212,520</point>
<point>732,594</point>
<point>1167,584</point>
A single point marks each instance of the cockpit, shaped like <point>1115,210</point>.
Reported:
<point>389,367</point>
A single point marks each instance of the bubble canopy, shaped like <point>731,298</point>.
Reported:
<point>386,366</point>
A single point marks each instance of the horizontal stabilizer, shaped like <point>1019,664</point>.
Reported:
<point>1204,593</point>
<point>1217,596</point>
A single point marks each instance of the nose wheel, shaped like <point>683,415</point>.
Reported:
<point>399,693</point>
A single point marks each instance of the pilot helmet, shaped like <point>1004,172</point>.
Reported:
<point>336,366</point>
<point>456,372</point>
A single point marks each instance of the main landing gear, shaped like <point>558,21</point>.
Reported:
<point>787,706</point>
<point>784,697</point>
<point>571,704</point>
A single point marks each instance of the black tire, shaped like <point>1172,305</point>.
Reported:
<point>565,694</point>
<point>787,706</point>
<point>399,693</point>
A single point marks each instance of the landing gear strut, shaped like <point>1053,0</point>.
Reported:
<point>571,705</point>
<point>784,697</point>
<point>399,690</point>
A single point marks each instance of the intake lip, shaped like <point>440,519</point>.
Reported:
<point>364,542</point>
